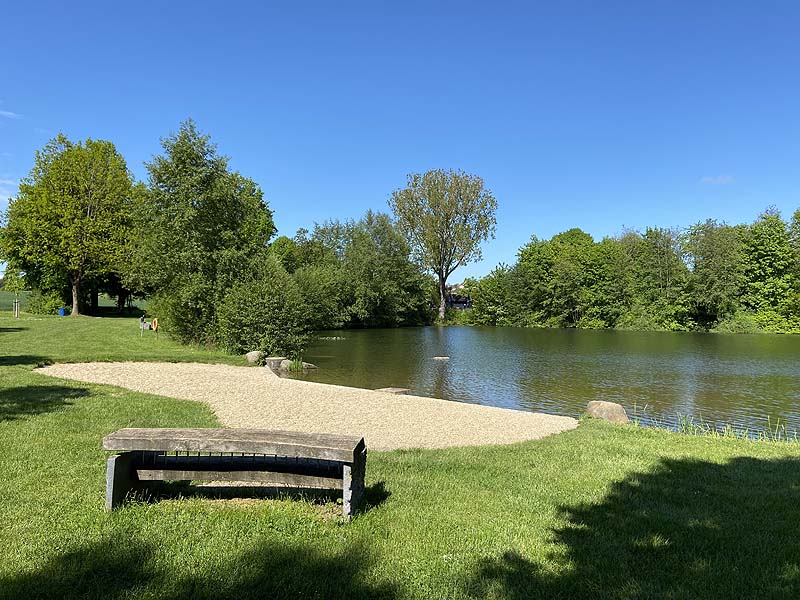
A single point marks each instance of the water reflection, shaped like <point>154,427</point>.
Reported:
<point>741,380</point>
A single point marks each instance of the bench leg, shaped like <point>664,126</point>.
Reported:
<point>120,479</point>
<point>353,484</point>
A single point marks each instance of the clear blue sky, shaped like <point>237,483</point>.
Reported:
<point>596,115</point>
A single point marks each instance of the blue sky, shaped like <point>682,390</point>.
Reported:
<point>599,115</point>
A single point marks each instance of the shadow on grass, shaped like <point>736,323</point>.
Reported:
<point>28,400</point>
<point>15,360</point>
<point>109,569</point>
<point>111,312</point>
<point>688,529</point>
<point>12,329</point>
<point>156,491</point>
<point>123,568</point>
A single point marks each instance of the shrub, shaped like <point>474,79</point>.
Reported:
<point>46,303</point>
<point>266,312</point>
<point>324,288</point>
<point>741,322</point>
<point>638,318</point>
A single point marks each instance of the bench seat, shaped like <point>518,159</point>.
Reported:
<point>268,457</point>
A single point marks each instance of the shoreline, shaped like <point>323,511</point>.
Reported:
<point>256,397</point>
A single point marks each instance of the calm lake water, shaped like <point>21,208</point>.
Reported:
<point>723,379</point>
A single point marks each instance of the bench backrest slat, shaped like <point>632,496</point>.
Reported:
<point>250,441</point>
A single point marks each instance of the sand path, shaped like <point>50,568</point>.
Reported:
<point>255,397</point>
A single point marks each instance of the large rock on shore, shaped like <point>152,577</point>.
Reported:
<point>254,356</point>
<point>608,411</point>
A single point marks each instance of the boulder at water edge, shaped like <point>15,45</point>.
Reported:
<point>254,356</point>
<point>608,411</point>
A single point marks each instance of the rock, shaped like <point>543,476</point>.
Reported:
<point>394,390</point>
<point>608,411</point>
<point>441,358</point>
<point>273,363</point>
<point>281,364</point>
<point>254,356</point>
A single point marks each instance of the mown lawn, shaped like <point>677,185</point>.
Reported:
<point>599,512</point>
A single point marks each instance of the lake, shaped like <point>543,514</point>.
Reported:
<point>741,380</point>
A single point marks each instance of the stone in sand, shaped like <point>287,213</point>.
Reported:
<point>608,411</point>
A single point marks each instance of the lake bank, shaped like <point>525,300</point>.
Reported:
<point>747,381</point>
<point>256,398</point>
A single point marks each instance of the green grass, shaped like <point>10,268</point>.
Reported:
<point>599,512</point>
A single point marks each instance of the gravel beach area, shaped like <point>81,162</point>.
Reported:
<point>255,397</point>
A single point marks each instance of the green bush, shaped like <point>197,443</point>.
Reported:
<point>266,312</point>
<point>638,318</point>
<point>454,316</point>
<point>325,289</point>
<point>741,322</point>
<point>46,303</point>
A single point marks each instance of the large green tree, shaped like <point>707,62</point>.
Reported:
<point>445,215</point>
<point>70,220</point>
<point>200,228</point>
<point>361,273</point>
<point>715,253</point>
<point>768,263</point>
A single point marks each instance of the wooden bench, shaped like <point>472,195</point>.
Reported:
<point>273,458</point>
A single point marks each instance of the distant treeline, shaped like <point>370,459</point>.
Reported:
<point>712,276</point>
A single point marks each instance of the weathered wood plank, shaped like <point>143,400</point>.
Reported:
<point>258,441</point>
<point>266,477</point>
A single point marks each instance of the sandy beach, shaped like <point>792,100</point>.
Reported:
<point>256,397</point>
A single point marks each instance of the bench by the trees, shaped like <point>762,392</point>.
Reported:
<point>276,458</point>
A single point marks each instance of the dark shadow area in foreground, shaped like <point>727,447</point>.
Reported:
<point>120,568</point>
<point>688,529</point>
<point>27,400</point>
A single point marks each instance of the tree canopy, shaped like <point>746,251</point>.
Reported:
<point>200,228</point>
<point>445,216</point>
<point>70,220</point>
<point>710,276</point>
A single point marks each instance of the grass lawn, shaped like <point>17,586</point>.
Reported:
<point>599,512</point>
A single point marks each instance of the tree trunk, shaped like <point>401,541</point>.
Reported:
<point>442,297</point>
<point>122,297</point>
<point>76,294</point>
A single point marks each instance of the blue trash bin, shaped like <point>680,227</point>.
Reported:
<point>62,312</point>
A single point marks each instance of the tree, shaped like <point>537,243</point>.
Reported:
<point>200,229</point>
<point>768,265</point>
<point>360,272</point>
<point>490,298</point>
<point>445,215</point>
<point>285,250</point>
<point>715,252</point>
<point>70,220</point>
